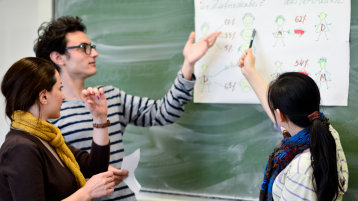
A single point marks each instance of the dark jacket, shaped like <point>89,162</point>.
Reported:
<point>29,171</point>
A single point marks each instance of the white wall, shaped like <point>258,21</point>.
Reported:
<point>19,21</point>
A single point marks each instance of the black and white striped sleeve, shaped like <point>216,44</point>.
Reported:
<point>143,111</point>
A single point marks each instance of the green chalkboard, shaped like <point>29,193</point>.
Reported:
<point>214,149</point>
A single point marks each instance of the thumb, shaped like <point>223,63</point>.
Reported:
<point>84,93</point>
<point>191,37</point>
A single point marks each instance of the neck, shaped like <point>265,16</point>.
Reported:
<point>72,87</point>
<point>292,128</point>
<point>35,110</point>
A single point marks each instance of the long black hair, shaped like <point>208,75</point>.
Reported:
<point>297,96</point>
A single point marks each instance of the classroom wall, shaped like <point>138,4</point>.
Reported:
<point>18,30</point>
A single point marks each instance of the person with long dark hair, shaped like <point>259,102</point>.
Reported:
<point>35,162</point>
<point>310,163</point>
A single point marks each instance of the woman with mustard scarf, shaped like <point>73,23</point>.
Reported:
<point>35,161</point>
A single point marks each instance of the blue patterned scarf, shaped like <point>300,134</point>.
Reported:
<point>281,157</point>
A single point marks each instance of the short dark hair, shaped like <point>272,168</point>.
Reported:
<point>24,81</point>
<point>52,35</point>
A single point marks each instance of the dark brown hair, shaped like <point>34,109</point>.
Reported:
<point>24,81</point>
<point>52,35</point>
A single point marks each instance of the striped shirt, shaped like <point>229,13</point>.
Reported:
<point>123,109</point>
<point>295,181</point>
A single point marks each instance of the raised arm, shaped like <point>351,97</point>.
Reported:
<point>97,104</point>
<point>194,51</point>
<point>142,111</point>
<point>260,86</point>
<point>100,184</point>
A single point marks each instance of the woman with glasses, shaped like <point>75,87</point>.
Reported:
<point>35,162</point>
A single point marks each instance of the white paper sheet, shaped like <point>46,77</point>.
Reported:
<point>310,36</point>
<point>130,163</point>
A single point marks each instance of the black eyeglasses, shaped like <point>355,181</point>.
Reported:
<point>87,48</point>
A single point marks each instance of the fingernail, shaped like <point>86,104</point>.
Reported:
<point>97,97</point>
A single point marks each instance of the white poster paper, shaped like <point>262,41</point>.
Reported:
<point>308,36</point>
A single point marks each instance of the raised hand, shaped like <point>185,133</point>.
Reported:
<point>96,102</point>
<point>257,82</point>
<point>247,62</point>
<point>194,51</point>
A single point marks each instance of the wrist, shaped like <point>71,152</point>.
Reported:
<point>100,119</point>
<point>188,63</point>
<point>187,69</point>
<point>248,72</point>
<point>101,124</point>
<point>84,194</point>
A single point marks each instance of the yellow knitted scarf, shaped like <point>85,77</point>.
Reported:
<point>50,133</point>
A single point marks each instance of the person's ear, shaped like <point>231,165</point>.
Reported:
<point>57,58</point>
<point>281,116</point>
<point>43,97</point>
